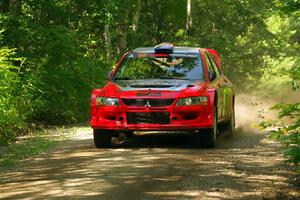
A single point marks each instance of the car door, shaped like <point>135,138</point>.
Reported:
<point>225,88</point>
<point>216,83</point>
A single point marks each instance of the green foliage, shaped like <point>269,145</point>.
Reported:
<point>289,133</point>
<point>284,24</point>
<point>47,70</point>
<point>10,120</point>
<point>288,6</point>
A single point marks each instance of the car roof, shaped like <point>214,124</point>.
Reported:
<point>176,49</point>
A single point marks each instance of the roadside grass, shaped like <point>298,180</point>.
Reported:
<point>33,144</point>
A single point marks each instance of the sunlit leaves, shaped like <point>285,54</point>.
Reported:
<point>9,114</point>
<point>289,133</point>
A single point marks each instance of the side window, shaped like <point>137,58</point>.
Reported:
<point>214,64</point>
<point>210,68</point>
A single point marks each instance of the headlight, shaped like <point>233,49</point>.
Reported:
<point>192,101</point>
<point>103,101</point>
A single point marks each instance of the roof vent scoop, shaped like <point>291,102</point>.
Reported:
<point>164,48</point>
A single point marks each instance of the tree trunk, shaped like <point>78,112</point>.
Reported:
<point>122,34</point>
<point>158,22</point>
<point>136,17</point>
<point>107,41</point>
<point>189,21</point>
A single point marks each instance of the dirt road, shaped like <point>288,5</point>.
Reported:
<point>154,166</point>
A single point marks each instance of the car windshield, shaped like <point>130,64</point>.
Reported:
<point>160,66</point>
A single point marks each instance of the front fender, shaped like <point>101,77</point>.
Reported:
<point>212,96</point>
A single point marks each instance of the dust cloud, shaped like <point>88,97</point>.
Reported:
<point>250,110</point>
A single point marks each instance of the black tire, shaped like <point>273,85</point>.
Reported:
<point>229,126</point>
<point>129,134</point>
<point>209,136</point>
<point>102,138</point>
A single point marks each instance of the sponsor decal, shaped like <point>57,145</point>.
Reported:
<point>153,55</point>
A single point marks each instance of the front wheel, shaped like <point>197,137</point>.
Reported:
<point>129,134</point>
<point>209,137</point>
<point>102,138</point>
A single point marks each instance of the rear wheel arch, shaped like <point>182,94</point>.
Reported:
<point>232,106</point>
<point>215,105</point>
<point>214,99</point>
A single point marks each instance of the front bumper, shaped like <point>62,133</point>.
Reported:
<point>181,118</point>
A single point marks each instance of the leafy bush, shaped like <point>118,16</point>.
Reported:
<point>10,119</point>
<point>288,133</point>
<point>64,78</point>
<point>50,83</point>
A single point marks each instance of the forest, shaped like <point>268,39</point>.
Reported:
<point>53,53</point>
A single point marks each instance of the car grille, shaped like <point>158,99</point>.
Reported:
<point>148,102</point>
<point>148,118</point>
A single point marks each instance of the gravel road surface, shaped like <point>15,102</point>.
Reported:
<point>155,166</point>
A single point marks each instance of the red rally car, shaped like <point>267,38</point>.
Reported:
<point>166,88</point>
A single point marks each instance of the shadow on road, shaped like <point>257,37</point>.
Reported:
<point>152,166</point>
<point>184,140</point>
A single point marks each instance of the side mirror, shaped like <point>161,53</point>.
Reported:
<point>109,75</point>
<point>212,75</point>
